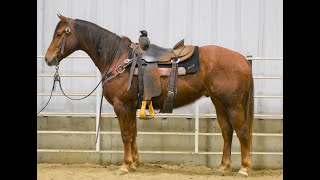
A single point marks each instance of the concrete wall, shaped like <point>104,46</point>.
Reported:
<point>153,142</point>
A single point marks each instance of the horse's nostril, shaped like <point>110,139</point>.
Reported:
<point>46,59</point>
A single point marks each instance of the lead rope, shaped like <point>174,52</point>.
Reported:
<point>82,97</point>
<point>55,79</point>
<point>98,130</point>
<point>102,79</point>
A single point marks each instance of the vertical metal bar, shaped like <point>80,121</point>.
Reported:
<point>250,62</point>
<point>98,96</point>
<point>196,128</point>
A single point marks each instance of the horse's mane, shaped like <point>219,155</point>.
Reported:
<point>106,43</point>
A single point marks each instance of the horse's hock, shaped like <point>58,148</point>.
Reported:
<point>79,147</point>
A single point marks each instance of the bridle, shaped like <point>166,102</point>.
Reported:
<point>65,35</point>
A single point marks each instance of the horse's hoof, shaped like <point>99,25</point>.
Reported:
<point>133,167</point>
<point>219,172</point>
<point>243,172</point>
<point>121,171</point>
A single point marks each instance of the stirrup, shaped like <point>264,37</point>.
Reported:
<point>143,114</point>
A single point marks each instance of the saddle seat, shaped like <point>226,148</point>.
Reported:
<point>163,55</point>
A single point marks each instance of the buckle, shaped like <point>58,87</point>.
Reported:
<point>120,69</point>
<point>175,61</point>
<point>127,61</point>
<point>170,93</point>
<point>67,30</point>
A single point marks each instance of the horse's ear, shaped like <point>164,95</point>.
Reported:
<point>62,18</point>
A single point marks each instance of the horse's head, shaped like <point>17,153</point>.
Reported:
<point>63,43</point>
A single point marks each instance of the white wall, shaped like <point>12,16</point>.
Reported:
<point>252,27</point>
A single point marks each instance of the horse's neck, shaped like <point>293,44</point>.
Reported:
<point>97,47</point>
<point>97,57</point>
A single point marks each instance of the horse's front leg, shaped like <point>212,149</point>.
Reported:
<point>127,120</point>
<point>134,148</point>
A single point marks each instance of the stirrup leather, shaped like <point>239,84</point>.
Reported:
<point>143,114</point>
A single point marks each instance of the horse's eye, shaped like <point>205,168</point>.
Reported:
<point>59,33</point>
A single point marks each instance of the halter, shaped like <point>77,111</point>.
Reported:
<point>65,35</point>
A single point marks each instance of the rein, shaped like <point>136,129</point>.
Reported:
<point>108,76</point>
<point>56,78</point>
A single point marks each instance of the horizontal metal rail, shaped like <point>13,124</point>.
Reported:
<point>160,115</point>
<point>266,58</point>
<point>68,75</point>
<point>68,94</point>
<point>268,96</point>
<point>249,58</point>
<point>150,152</point>
<point>94,75</point>
<point>154,133</point>
<point>267,77</point>
<point>42,56</point>
<point>94,94</point>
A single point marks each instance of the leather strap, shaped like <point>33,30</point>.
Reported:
<point>115,72</point>
<point>138,52</point>
<point>168,103</point>
<point>133,65</point>
<point>173,79</point>
<point>66,32</point>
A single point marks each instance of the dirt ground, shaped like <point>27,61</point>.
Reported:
<point>144,172</point>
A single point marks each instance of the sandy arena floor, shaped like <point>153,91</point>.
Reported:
<point>144,172</point>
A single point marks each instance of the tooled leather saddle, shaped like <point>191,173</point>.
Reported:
<point>150,63</point>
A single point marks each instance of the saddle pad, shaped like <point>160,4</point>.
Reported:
<point>191,65</point>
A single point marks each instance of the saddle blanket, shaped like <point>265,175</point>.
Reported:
<point>187,66</point>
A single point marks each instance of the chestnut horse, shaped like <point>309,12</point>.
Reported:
<point>224,75</point>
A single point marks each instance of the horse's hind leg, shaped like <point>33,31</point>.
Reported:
<point>126,115</point>
<point>227,133</point>
<point>238,123</point>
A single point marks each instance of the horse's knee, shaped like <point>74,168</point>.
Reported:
<point>127,137</point>
<point>227,133</point>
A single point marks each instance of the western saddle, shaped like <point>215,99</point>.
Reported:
<point>165,55</point>
<point>149,73</point>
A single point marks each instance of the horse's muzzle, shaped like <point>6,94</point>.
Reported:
<point>53,61</point>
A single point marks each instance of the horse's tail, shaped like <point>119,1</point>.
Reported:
<point>249,110</point>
